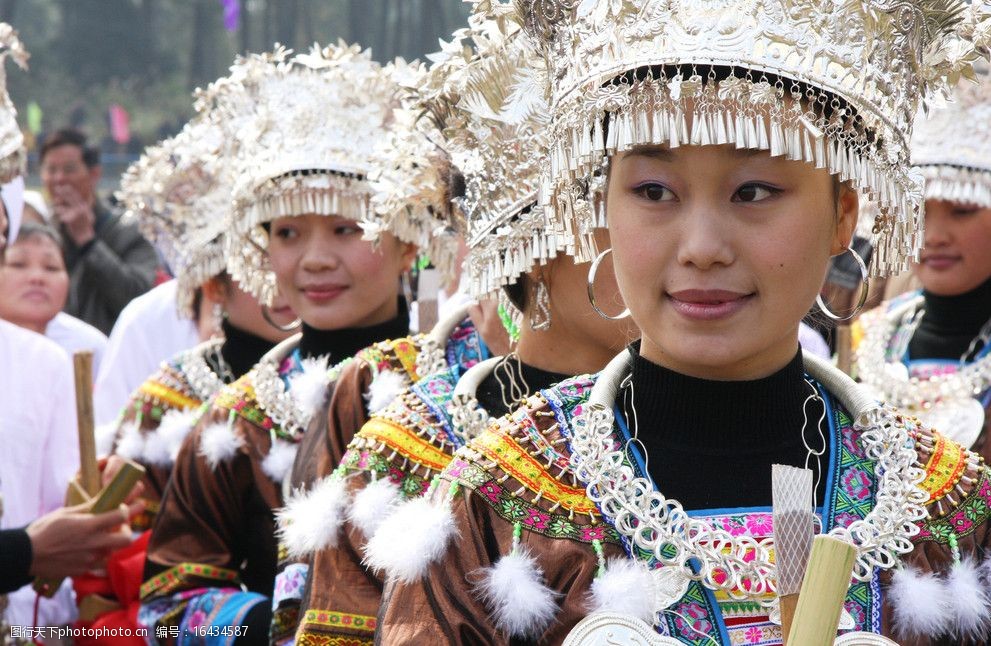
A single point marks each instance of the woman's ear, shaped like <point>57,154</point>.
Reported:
<point>407,256</point>
<point>215,290</point>
<point>848,210</point>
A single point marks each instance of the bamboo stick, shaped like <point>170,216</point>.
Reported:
<point>89,471</point>
<point>844,348</point>
<point>823,591</point>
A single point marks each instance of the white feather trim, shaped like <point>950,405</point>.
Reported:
<point>279,460</point>
<point>919,603</point>
<point>519,602</point>
<point>386,386</point>
<point>372,504</point>
<point>171,431</point>
<point>310,521</point>
<point>411,538</point>
<point>626,587</point>
<point>219,443</point>
<point>970,601</point>
<point>132,442</point>
<point>105,435</point>
<point>309,387</point>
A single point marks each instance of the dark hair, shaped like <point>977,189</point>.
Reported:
<point>31,230</point>
<point>70,137</point>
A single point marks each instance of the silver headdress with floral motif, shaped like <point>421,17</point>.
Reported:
<point>305,133</point>
<point>836,84</point>
<point>179,192</point>
<point>952,146</point>
<point>488,99</point>
<point>12,153</point>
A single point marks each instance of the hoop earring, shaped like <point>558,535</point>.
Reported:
<point>865,280</point>
<point>540,318</point>
<point>592,271</point>
<point>282,328</point>
<point>218,319</point>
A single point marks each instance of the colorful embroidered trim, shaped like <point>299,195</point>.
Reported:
<point>409,445</point>
<point>972,512</point>
<point>944,468</point>
<point>240,398</point>
<point>180,575</point>
<point>520,465</point>
<point>305,638</point>
<point>335,619</point>
<point>167,395</point>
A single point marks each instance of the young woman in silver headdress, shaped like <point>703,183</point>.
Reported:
<point>727,143</point>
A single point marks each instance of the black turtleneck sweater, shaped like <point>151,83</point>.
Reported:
<point>490,393</point>
<point>241,349</point>
<point>343,343</point>
<point>711,444</point>
<point>951,323</point>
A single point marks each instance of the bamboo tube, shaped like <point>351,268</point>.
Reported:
<point>824,589</point>
<point>787,603</point>
<point>89,471</point>
<point>844,348</point>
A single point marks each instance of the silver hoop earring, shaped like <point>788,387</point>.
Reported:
<point>218,319</point>
<point>282,328</point>
<point>865,280</point>
<point>592,271</point>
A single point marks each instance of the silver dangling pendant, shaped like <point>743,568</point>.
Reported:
<point>540,317</point>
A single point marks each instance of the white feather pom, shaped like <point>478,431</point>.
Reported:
<point>132,442</point>
<point>386,386</point>
<point>219,443</point>
<point>411,538</point>
<point>519,602</point>
<point>105,435</point>
<point>372,504</point>
<point>309,387</point>
<point>172,429</point>
<point>310,521</point>
<point>626,587</point>
<point>279,460</point>
<point>919,603</point>
<point>970,601</point>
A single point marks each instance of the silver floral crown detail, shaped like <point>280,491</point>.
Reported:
<point>836,84</point>
<point>487,96</point>
<point>951,146</point>
<point>12,153</point>
<point>178,192</point>
<point>304,132</point>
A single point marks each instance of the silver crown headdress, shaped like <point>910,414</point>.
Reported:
<point>486,93</point>
<point>12,153</point>
<point>305,133</point>
<point>836,84</point>
<point>952,147</point>
<point>179,192</point>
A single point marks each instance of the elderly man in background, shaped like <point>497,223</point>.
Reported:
<point>109,261</point>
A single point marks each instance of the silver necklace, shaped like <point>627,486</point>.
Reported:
<point>659,526</point>
<point>202,379</point>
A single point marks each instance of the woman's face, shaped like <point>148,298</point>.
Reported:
<point>956,256</point>
<point>34,283</point>
<point>331,277</point>
<point>720,252</point>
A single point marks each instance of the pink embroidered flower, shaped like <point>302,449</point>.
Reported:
<point>536,519</point>
<point>760,525</point>
<point>590,534</point>
<point>754,635</point>
<point>857,612</point>
<point>695,613</point>
<point>961,523</point>
<point>733,525</point>
<point>456,466</point>
<point>396,475</point>
<point>857,484</point>
<point>491,490</point>
<point>845,519</point>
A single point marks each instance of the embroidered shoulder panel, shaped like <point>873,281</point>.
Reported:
<point>408,441</point>
<point>959,487</point>
<point>465,346</point>
<point>520,466</point>
<point>165,390</point>
<point>394,355</point>
<point>239,397</point>
<point>185,576</point>
<point>333,628</point>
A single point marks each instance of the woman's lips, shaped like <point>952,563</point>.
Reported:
<point>35,295</point>
<point>708,304</point>
<point>940,262</point>
<point>323,293</point>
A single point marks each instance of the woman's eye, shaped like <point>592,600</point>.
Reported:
<point>285,233</point>
<point>654,192</point>
<point>754,193</point>
<point>965,211</point>
<point>347,230</point>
